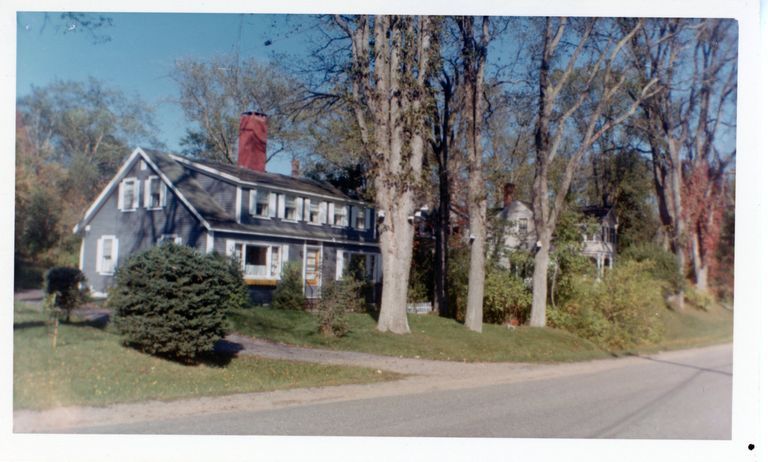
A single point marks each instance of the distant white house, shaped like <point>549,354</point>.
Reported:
<point>599,243</point>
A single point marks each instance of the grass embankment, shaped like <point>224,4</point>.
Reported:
<point>693,328</point>
<point>431,337</point>
<point>91,367</point>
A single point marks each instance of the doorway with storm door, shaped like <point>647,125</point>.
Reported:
<point>312,271</point>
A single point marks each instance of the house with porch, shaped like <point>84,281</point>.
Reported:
<point>599,242</point>
<point>262,219</point>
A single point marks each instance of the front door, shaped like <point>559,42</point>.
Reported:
<point>312,272</point>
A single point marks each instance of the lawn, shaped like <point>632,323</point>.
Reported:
<point>694,328</point>
<point>431,337</point>
<point>91,367</point>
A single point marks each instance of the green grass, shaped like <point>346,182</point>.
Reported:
<point>431,337</point>
<point>693,328</point>
<point>90,367</point>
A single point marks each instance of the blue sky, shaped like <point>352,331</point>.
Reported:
<point>140,54</point>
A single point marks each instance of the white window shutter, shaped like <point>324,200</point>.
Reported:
<point>368,213</point>
<point>136,193</point>
<point>272,205</point>
<point>120,201</point>
<point>307,203</point>
<point>146,192</point>
<point>339,264</point>
<point>299,208</point>
<point>323,211</point>
<point>230,247</point>
<point>99,254</point>
<point>252,202</point>
<point>284,253</point>
<point>115,248</point>
<point>163,193</point>
<point>281,206</point>
<point>331,211</point>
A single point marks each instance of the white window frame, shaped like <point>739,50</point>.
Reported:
<point>169,237</point>
<point>372,264</point>
<point>148,193</point>
<point>100,266</point>
<point>282,209</point>
<point>319,286</point>
<point>309,204</point>
<point>271,203</point>
<point>282,255</point>
<point>136,194</point>
<point>332,214</point>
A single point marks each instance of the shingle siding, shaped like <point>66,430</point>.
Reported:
<point>137,230</point>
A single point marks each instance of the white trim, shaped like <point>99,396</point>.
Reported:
<point>272,204</point>
<point>239,205</point>
<point>281,206</point>
<point>249,183</point>
<point>319,275</point>
<point>81,264</point>
<point>230,248</point>
<point>119,176</point>
<point>298,238</point>
<point>209,242</point>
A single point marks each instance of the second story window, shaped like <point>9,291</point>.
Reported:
<point>154,193</point>
<point>360,218</point>
<point>263,203</point>
<point>128,199</point>
<point>340,215</point>
<point>291,208</point>
<point>314,213</point>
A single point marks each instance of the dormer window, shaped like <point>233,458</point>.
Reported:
<point>154,193</point>
<point>263,203</point>
<point>340,215</point>
<point>314,213</point>
<point>128,195</point>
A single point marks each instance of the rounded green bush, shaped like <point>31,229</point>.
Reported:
<point>171,300</point>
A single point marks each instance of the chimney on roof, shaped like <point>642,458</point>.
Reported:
<point>509,193</point>
<point>295,168</point>
<point>252,148</point>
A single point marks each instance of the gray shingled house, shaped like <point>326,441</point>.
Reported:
<point>262,219</point>
<point>599,242</point>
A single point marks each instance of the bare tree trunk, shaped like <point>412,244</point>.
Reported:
<point>540,266</point>
<point>700,267</point>
<point>474,53</point>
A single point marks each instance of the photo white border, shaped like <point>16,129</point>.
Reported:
<point>752,218</point>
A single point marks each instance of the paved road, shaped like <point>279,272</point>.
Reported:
<point>685,397</point>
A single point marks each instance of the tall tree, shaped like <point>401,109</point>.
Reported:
<point>688,126</point>
<point>387,72</point>
<point>213,93</point>
<point>590,92</point>
<point>474,52</point>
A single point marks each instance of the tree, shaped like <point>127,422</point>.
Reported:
<point>215,92</point>
<point>389,60</point>
<point>590,93</point>
<point>473,52</point>
<point>688,129</point>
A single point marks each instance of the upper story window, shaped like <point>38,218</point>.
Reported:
<point>154,193</point>
<point>263,203</point>
<point>128,198</point>
<point>290,207</point>
<point>315,212</point>
<point>360,218</point>
<point>340,215</point>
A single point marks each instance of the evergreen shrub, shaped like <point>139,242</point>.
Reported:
<point>171,301</point>
<point>62,285</point>
<point>289,293</point>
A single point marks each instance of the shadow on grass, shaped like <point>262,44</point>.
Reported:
<point>98,322</point>
<point>27,324</point>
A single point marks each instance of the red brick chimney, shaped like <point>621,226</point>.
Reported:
<point>509,193</point>
<point>252,148</point>
<point>295,166</point>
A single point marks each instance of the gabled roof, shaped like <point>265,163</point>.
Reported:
<point>176,173</point>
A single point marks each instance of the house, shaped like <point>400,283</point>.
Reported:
<point>599,242</point>
<point>262,219</point>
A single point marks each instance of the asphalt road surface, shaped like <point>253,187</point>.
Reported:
<point>688,398</point>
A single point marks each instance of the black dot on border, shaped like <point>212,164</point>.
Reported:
<point>751,446</point>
